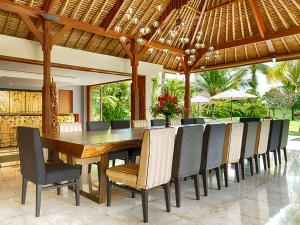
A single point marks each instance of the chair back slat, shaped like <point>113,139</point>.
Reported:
<point>262,137</point>
<point>175,122</point>
<point>274,135</point>
<point>158,123</point>
<point>31,155</point>
<point>233,142</point>
<point>70,127</point>
<point>156,157</point>
<point>120,124</point>
<point>187,151</point>
<point>212,147</point>
<point>249,140</point>
<point>284,133</point>
<point>139,123</point>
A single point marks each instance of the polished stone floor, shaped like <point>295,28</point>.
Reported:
<point>272,197</point>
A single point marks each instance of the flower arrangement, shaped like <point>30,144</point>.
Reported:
<point>167,106</point>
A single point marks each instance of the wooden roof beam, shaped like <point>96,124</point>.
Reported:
<point>111,16</point>
<point>72,23</point>
<point>256,39</point>
<point>107,21</point>
<point>171,6</point>
<point>261,24</point>
<point>48,5</point>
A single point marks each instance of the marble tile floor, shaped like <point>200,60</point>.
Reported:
<point>272,197</point>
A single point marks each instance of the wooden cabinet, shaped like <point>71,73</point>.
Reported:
<point>65,101</point>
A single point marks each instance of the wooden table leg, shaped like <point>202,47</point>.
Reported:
<point>102,182</point>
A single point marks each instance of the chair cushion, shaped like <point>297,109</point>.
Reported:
<point>58,172</point>
<point>126,174</point>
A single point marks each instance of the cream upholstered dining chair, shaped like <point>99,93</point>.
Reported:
<point>139,123</point>
<point>175,122</point>
<point>154,169</point>
<point>70,127</point>
<point>262,140</point>
<point>232,149</point>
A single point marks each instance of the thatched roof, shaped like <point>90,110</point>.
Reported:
<point>245,31</point>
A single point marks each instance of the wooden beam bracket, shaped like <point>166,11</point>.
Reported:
<point>37,33</point>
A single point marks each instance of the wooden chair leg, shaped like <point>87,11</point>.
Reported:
<point>284,153</point>
<point>237,172</point>
<point>204,179</point>
<point>218,177</point>
<point>196,184</point>
<point>279,155</point>
<point>250,160</point>
<point>38,200</point>
<point>177,191</point>
<point>113,162</point>
<point>256,164</point>
<point>145,204</point>
<point>242,170</point>
<point>77,192</point>
<point>225,169</point>
<point>265,155</point>
<point>275,157</point>
<point>268,159</point>
<point>108,192</point>
<point>167,196</point>
<point>24,190</point>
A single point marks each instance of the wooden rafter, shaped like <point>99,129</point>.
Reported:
<point>171,6</point>
<point>47,7</point>
<point>109,19</point>
<point>261,24</point>
<point>256,39</point>
<point>36,14</point>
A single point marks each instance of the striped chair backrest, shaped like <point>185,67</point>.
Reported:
<point>233,142</point>
<point>262,137</point>
<point>156,157</point>
<point>70,127</point>
<point>139,123</point>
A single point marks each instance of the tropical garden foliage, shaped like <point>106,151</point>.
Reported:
<point>286,75</point>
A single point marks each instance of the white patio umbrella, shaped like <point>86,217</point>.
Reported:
<point>232,94</point>
<point>201,100</point>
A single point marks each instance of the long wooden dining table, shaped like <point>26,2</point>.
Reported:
<point>85,145</point>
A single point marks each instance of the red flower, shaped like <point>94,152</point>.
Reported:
<point>161,104</point>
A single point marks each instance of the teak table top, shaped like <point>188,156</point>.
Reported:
<point>93,143</point>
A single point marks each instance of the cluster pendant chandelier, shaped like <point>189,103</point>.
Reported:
<point>171,35</point>
<point>129,16</point>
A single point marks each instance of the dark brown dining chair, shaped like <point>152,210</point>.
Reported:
<point>274,140</point>
<point>212,152</point>
<point>158,123</point>
<point>188,121</point>
<point>120,124</point>
<point>187,155</point>
<point>248,146</point>
<point>284,134</point>
<point>124,154</point>
<point>44,175</point>
<point>154,169</point>
<point>96,125</point>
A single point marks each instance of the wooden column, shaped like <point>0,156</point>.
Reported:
<point>134,85</point>
<point>187,92</point>
<point>46,103</point>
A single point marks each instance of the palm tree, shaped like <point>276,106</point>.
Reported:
<point>253,71</point>
<point>288,73</point>
<point>217,81</point>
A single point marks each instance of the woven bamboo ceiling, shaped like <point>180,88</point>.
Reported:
<point>244,31</point>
